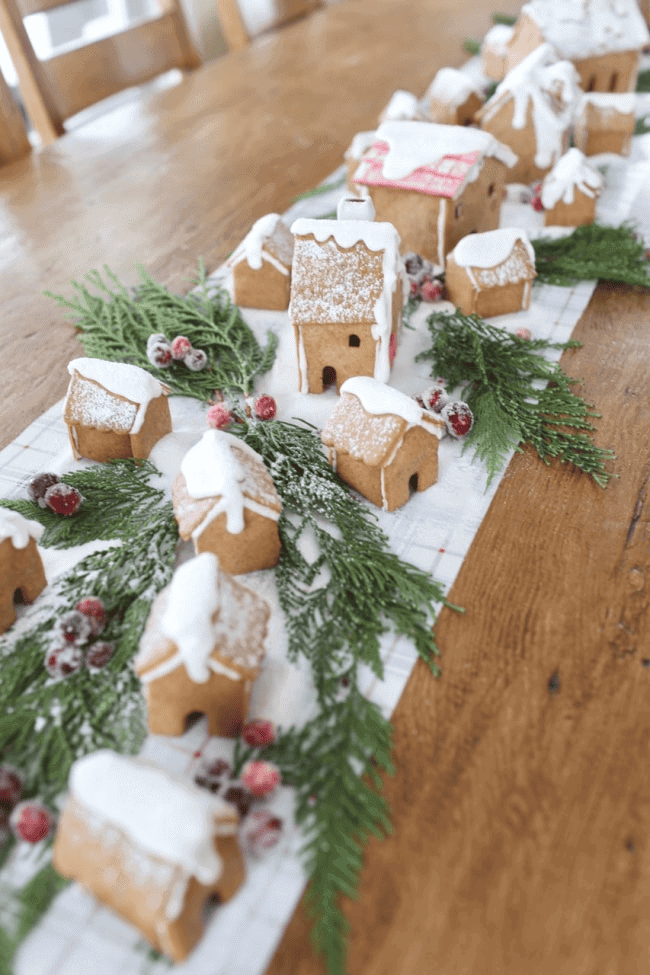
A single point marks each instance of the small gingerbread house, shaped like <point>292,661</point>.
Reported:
<point>402,107</point>
<point>261,265</point>
<point>382,443</point>
<point>354,154</point>
<point>201,650</point>
<point>602,38</point>
<point>531,111</point>
<point>452,98</point>
<point>225,501</point>
<point>346,297</point>
<point>605,123</point>
<point>435,183</point>
<point>113,409</point>
<point>494,51</point>
<point>492,273</point>
<point>570,191</point>
<point>154,848</point>
<point>21,569</point>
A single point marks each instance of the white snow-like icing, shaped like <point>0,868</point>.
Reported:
<point>452,87</point>
<point>211,469</point>
<point>130,382</point>
<point>377,398</point>
<point>584,28</point>
<point>622,104</point>
<point>415,144</point>
<point>253,249</point>
<point>355,208</point>
<point>18,528</point>
<point>161,815</point>
<point>497,38</point>
<point>402,106</point>
<point>572,171</point>
<point>376,236</point>
<point>360,143</point>
<point>490,248</point>
<point>193,599</point>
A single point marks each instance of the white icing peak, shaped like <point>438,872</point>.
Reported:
<point>378,398</point>
<point>497,38</point>
<point>376,236</point>
<point>253,244</point>
<point>18,529</point>
<point>490,248</point>
<point>452,87</point>
<point>415,144</point>
<point>355,208</point>
<point>121,379</point>
<point>361,142</point>
<point>161,815</point>
<point>623,103</point>
<point>403,105</point>
<point>584,28</point>
<point>571,171</point>
<point>211,470</point>
<point>193,599</point>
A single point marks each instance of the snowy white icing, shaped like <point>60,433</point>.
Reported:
<point>452,87</point>
<point>254,247</point>
<point>135,385</point>
<point>402,106</point>
<point>378,398</point>
<point>572,171</point>
<point>415,144</point>
<point>18,529</point>
<point>622,104</point>
<point>497,38</point>
<point>490,248</point>
<point>161,815</point>
<point>355,208</point>
<point>584,28</point>
<point>193,599</point>
<point>361,142</point>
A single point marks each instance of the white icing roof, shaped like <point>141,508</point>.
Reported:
<point>378,398</point>
<point>415,144</point>
<point>490,248</point>
<point>452,87</point>
<point>160,814</point>
<point>193,598</point>
<point>624,103</point>
<point>252,248</point>
<point>361,142</point>
<point>570,171</point>
<point>497,38</point>
<point>380,236</point>
<point>18,529</point>
<point>583,28</point>
<point>122,379</point>
<point>403,105</point>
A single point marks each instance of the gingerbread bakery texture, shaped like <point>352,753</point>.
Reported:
<point>261,265</point>
<point>492,273</point>
<point>605,123</point>
<point>21,568</point>
<point>571,190</point>
<point>202,648</point>
<point>452,98</point>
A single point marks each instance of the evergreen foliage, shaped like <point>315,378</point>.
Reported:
<point>323,188</point>
<point>508,19</point>
<point>643,81</point>
<point>515,394</point>
<point>592,252</point>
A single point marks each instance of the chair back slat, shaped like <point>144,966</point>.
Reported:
<point>14,143</point>
<point>235,24</point>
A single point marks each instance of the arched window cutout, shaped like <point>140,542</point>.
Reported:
<point>329,376</point>
<point>354,341</point>
<point>613,81</point>
<point>19,599</point>
<point>458,211</point>
<point>413,483</point>
<point>592,83</point>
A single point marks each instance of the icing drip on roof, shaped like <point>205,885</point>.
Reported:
<point>91,406</point>
<point>412,145</point>
<point>583,28</point>
<point>572,171</point>
<point>490,248</point>
<point>452,87</point>
<point>268,238</point>
<point>18,529</point>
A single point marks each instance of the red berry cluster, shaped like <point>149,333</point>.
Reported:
<point>163,353</point>
<point>221,416</point>
<point>29,820</point>
<point>536,200</point>
<point>420,273</point>
<point>84,624</point>
<point>48,491</point>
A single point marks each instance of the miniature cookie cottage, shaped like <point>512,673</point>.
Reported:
<point>402,107</point>
<point>494,51</point>
<point>452,98</point>
<point>605,123</point>
<point>570,191</point>
<point>21,569</point>
<point>202,648</point>
<point>113,409</point>
<point>491,273</point>
<point>225,501</point>
<point>354,154</point>
<point>382,443</point>
<point>261,265</point>
<point>150,846</point>
<point>346,297</point>
<point>435,183</point>
<point>531,111</point>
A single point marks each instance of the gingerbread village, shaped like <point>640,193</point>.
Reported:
<point>421,218</point>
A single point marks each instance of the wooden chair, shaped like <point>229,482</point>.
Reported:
<point>55,89</point>
<point>14,143</point>
<point>234,26</point>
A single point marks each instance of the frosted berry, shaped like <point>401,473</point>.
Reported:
<point>39,485</point>
<point>76,628</point>
<point>261,833</point>
<point>195,360</point>
<point>524,334</point>
<point>219,416</point>
<point>458,419</point>
<point>431,290</point>
<point>211,775</point>
<point>259,733</point>
<point>30,821</point>
<point>64,661</point>
<point>93,608</point>
<point>157,339</point>
<point>160,354</point>
<point>536,200</point>
<point>435,398</point>
<point>265,407</point>
<point>261,777</point>
<point>63,499</point>
<point>11,787</point>
<point>413,264</point>
<point>99,654</point>
<point>239,796</point>
<point>180,347</point>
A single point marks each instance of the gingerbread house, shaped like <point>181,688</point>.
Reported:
<point>21,569</point>
<point>225,502</point>
<point>402,107</point>
<point>261,265</point>
<point>570,191</point>
<point>531,111</point>
<point>154,848</point>
<point>452,98</point>
<point>113,409</point>
<point>605,123</point>
<point>355,153</point>
<point>435,183</point>
<point>494,51</point>
<point>382,443</point>
<point>346,297</point>
<point>603,39</point>
<point>491,273</point>
<point>201,650</point>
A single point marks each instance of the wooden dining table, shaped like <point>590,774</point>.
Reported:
<point>521,798</point>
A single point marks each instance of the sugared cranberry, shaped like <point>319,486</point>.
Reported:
<point>63,499</point>
<point>30,821</point>
<point>39,485</point>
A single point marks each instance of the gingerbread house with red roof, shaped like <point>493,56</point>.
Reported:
<point>382,443</point>
<point>435,183</point>
<point>21,568</point>
<point>492,273</point>
<point>261,265</point>
<point>154,848</point>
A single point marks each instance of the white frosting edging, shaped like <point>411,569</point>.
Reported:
<point>130,382</point>
<point>572,171</point>
<point>415,144</point>
<point>18,528</point>
<point>490,248</point>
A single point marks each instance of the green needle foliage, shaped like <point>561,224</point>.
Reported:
<point>643,81</point>
<point>590,253</point>
<point>641,125</point>
<point>507,19</point>
<point>115,323</point>
<point>515,395</point>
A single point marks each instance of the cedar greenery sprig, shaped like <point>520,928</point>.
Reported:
<point>114,323</point>
<point>592,252</point>
<point>504,383</point>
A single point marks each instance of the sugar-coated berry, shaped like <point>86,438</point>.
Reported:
<point>30,821</point>
<point>458,419</point>
<point>64,661</point>
<point>261,777</point>
<point>536,199</point>
<point>431,290</point>
<point>413,263</point>
<point>157,339</point>
<point>524,334</point>
<point>39,485</point>
<point>76,628</point>
<point>11,786</point>
<point>435,398</point>
<point>99,654</point>
<point>415,289</point>
<point>240,796</point>
<point>219,416</point>
<point>63,499</point>
<point>159,354</point>
<point>180,347</point>
<point>94,609</point>
<point>258,733</point>
<point>261,832</point>
<point>265,407</point>
<point>195,360</point>
<point>212,774</point>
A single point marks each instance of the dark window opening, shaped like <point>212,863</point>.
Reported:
<point>613,81</point>
<point>458,211</point>
<point>329,376</point>
<point>592,83</point>
<point>210,904</point>
<point>491,189</point>
<point>192,719</point>
<point>413,483</point>
<point>18,597</point>
<point>354,341</point>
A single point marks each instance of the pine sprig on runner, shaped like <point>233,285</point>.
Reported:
<point>114,323</point>
<point>515,395</point>
<point>590,253</point>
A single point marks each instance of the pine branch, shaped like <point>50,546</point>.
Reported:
<point>503,381</point>
<point>592,252</point>
<point>643,81</point>
<point>508,19</point>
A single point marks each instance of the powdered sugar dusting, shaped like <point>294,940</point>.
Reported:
<point>93,406</point>
<point>367,438</point>
<point>583,28</point>
<point>127,383</point>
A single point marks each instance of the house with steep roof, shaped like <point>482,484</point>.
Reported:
<point>452,98</point>
<point>492,273</point>
<point>21,568</point>
<point>261,265</point>
<point>605,123</point>
<point>570,191</point>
